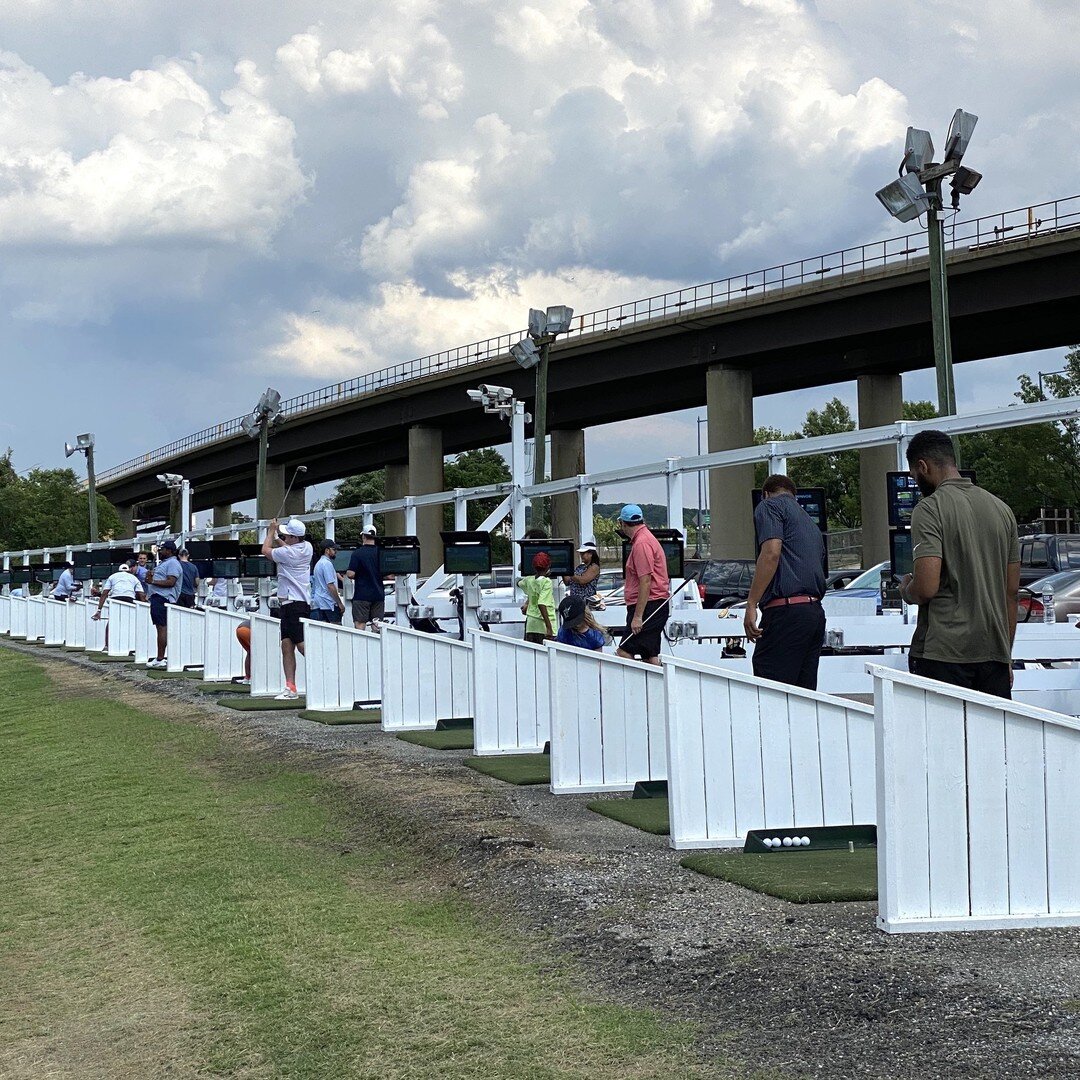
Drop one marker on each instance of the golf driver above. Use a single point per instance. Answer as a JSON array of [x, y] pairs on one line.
[[299, 469]]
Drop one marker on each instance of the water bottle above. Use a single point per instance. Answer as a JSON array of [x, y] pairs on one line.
[[1048, 604]]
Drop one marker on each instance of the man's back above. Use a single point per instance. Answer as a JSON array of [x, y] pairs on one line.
[[367, 583], [974, 535]]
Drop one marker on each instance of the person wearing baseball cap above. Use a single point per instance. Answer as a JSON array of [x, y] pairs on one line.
[[539, 606], [122, 587], [579, 628], [582, 582], [646, 589], [369, 596], [164, 584], [291, 553], [326, 602]]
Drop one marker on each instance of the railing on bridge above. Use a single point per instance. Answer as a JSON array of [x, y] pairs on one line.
[[993, 230]]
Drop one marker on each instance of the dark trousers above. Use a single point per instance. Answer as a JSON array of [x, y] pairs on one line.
[[990, 677], [790, 645], [330, 615], [187, 599]]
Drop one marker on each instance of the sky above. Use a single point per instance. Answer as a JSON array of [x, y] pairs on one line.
[[200, 200]]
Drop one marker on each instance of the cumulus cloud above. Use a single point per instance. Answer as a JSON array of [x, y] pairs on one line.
[[142, 159]]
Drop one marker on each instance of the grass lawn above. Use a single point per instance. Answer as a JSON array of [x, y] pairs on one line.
[[173, 905]]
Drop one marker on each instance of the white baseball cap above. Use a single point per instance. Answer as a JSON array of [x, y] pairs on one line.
[[124, 567], [369, 531], [293, 527]]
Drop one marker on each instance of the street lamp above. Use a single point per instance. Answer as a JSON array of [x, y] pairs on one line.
[[177, 485], [84, 444], [919, 189], [533, 351], [265, 415]]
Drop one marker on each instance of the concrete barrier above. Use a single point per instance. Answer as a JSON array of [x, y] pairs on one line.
[[607, 721], [223, 657], [745, 753], [344, 666], [425, 678], [511, 699], [978, 802], [187, 638], [267, 674]]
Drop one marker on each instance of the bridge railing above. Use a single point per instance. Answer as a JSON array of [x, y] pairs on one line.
[[977, 233]]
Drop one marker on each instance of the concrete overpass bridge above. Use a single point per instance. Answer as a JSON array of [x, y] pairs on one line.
[[861, 313]]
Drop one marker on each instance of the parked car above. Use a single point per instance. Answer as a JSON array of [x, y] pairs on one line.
[[1046, 554], [1066, 589], [725, 579], [870, 579], [841, 579]]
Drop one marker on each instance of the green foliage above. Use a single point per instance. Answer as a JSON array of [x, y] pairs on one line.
[[478, 468], [48, 508]]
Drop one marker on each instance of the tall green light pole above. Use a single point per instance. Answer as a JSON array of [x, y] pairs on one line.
[[84, 444]]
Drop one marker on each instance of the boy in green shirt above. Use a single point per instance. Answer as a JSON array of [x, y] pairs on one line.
[[539, 606]]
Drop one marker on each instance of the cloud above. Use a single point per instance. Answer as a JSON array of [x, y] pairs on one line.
[[149, 158]]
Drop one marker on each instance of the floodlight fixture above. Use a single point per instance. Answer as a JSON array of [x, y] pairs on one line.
[[525, 353], [965, 180], [960, 130], [904, 198], [537, 323], [269, 405], [559, 319], [173, 481], [918, 150], [250, 427], [69, 449], [84, 442]]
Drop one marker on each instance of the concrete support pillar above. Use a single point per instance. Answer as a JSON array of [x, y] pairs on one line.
[[277, 480], [426, 476], [729, 397], [881, 401], [222, 515], [567, 459], [127, 522], [397, 487]]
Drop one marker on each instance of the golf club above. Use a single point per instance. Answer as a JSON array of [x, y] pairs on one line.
[[299, 469]]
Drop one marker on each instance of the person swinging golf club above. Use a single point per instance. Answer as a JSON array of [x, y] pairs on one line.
[[646, 589], [286, 547]]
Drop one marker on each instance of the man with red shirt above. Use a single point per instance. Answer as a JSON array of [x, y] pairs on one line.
[[646, 590]]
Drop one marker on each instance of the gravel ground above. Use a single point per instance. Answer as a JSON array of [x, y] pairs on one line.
[[776, 989]]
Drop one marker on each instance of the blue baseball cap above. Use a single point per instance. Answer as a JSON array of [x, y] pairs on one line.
[[631, 514]]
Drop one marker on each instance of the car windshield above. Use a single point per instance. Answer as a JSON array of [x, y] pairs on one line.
[[1069, 553], [1061, 582], [722, 571], [870, 579]]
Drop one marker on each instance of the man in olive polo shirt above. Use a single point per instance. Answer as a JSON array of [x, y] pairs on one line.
[[967, 574]]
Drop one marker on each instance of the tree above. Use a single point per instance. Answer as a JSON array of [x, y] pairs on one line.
[[478, 468]]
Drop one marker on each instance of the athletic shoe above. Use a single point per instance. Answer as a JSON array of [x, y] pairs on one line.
[[241, 682], [287, 695], [157, 665]]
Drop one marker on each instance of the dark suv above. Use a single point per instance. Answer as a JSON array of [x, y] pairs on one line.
[[722, 579], [1048, 553]]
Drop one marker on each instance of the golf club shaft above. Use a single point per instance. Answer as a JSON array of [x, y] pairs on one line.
[[288, 490]]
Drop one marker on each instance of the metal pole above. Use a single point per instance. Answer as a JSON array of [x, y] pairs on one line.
[[540, 429], [260, 475], [700, 478], [939, 304], [185, 510], [92, 488], [517, 475]]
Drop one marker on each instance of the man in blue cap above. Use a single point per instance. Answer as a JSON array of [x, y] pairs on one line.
[[646, 590]]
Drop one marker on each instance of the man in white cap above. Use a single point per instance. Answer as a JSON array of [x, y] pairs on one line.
[[122, 586], [286, 547], [368, 602]]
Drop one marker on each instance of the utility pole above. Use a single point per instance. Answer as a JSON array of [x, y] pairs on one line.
[[92, 486]]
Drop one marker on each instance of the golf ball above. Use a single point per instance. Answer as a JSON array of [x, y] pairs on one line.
[[767, 841], [806, 841], [776, 841], [787, 841]]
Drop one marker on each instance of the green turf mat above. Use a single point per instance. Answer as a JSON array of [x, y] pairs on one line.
[[803, 877], [351, 716], [650, 815], [157, 673], [262, 704], [105, 658], [514, 768], [220, 688], [450, 739]]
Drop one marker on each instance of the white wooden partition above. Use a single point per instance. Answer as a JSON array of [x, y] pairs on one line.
[[75, 624], [35, 618], [55, 621], [123, 626], [746, 753], [511, 700], [5, 613], [93, 632], [223, 657], [187, 638], [344, 666], [425, 678], [18, 617], [267, 674], [607, 721], [978, 804]]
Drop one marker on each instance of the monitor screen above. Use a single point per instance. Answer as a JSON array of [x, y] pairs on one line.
[[467, 558], [674, 550], [812, 500], [341, 559], [254, 564], [86, 558], [5, 577], [207, 550], [47, 573], [227, 569], [20, 575], [82, 573], [904, 494], [399, 560], [561, 553], [900, 553]]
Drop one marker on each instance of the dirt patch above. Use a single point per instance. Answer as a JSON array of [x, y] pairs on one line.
[[786, 989]]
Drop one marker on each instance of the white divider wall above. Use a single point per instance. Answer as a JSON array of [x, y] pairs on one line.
[[187, 637], [978, 804], [93, 632], [18, 617], [425, 678], [123, 623], [511, 699], [344, 666], [5, 614], [746, 753], [35, 618], [75, 624], [145, 633], [55, 621], [267, 674], [223, 657], [607, 721]]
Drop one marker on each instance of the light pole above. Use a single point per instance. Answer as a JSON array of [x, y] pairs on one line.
[[177, 485], [84, 444], [533, 351], [256, 425], [919, 189], [700, 490]]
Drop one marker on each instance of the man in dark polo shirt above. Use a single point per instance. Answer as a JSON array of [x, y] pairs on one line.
[[967, 574], [789, 582]]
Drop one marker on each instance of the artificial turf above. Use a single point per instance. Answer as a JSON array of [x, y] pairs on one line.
[[649, 815], [350, 716], [157, 673], [261, 704], [221, 688], [803, 877], [514, 768], [105, 658], [448, 739]]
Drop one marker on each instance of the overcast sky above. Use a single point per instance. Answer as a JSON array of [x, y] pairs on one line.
[[202, 199]]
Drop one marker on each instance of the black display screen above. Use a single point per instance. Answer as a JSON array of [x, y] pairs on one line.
[[5, 577], [812, 500], [900, 553], [399, 560], [341, 559], [21, 575], [904, 495], [561, 553], [467, 558], [672, 544], [254, 564], [85, 558]]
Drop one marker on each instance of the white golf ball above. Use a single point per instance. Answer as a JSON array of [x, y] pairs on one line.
[[776, 841], [787, 841], [767, 841], [806, 841]]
